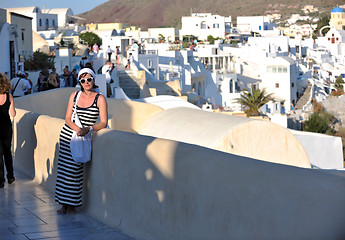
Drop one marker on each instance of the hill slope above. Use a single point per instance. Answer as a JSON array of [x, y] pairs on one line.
[[167, 13]]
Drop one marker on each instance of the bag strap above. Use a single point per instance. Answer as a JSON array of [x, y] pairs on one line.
[[16, 86], [74, 115]]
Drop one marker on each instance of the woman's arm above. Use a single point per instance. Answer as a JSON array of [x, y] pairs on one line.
[[12, 108], [53, 82], [103, 114], [69, 112]]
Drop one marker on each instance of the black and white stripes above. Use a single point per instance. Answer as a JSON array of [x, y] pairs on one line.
[[69, 180]]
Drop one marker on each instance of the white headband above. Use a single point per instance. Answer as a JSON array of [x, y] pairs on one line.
[[86, 70]]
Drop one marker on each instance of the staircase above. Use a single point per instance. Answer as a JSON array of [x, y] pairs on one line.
[[303, 99], [130, 84]]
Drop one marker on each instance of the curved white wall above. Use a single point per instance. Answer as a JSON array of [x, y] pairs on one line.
[[241, 136]]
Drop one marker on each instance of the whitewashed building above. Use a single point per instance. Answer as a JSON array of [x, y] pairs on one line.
[[258, 24], [305, 30], [65, 16], [15, 42], [202, 25], [40, 21], [335, 42], [22, 25], [169, 34], [278, 74]]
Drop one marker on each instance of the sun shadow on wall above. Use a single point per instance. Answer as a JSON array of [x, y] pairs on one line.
[[25, 141]]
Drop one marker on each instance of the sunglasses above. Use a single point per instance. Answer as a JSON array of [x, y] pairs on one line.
[[82, 81]]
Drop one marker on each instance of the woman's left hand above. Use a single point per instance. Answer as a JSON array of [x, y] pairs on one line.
[[83, 131]]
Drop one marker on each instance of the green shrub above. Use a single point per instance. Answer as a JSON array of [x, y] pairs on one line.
[[319, 123], [91, 38], [39, 61]]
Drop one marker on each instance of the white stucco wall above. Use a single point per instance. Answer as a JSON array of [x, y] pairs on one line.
[[324, 151], [5, 32], [163, 189], [213, 25], [24, 31], [170, 34]]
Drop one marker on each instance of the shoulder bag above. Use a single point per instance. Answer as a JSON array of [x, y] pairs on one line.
[[14, 89], [80, 145]]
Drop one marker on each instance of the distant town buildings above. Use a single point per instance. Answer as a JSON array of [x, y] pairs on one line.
[[299, 31], [201, 25], [40, 21], [258, 24], [309, 9], [337, 18], [252, 53]]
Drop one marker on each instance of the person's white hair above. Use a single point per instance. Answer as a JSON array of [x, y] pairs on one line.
[[87, 70]]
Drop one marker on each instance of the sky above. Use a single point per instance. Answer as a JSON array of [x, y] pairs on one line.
[[77, 6]]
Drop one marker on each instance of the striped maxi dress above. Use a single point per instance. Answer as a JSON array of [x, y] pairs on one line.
[[69, 179]]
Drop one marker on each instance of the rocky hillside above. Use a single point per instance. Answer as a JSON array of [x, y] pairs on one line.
[[167, 13]]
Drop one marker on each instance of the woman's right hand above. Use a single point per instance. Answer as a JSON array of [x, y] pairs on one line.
[[83, 131]]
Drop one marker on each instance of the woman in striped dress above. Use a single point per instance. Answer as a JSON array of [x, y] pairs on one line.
[[69, 181]]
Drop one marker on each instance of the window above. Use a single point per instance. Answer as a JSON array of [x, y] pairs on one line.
[[40, 22], [277, 69], [53, 23], [277, 85], [292, 84], [231, 88], [22, 36], [259, 27], [47, 22], [149, 63], [203, 25], [216, 25]]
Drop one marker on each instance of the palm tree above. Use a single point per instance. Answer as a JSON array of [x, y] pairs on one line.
[[253, 99]]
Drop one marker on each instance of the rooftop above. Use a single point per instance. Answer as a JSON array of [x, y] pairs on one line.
[[337, 9]]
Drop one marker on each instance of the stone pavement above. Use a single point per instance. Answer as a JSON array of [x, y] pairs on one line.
[[28, 211]]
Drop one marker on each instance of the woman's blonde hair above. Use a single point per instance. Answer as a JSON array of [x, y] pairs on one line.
[[5, 84], [52, 76]]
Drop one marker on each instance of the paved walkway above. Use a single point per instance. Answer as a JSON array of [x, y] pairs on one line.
[[27, 211]]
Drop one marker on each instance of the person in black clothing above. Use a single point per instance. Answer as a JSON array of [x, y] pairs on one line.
[[42, 82], [6, 107], [52, 81], [75, 77]]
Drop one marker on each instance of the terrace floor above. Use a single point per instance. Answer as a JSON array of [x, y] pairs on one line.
[[28, 211]]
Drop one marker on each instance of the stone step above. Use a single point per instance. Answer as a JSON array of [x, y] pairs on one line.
[[303, 99], [132, 93], [130, 84]]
